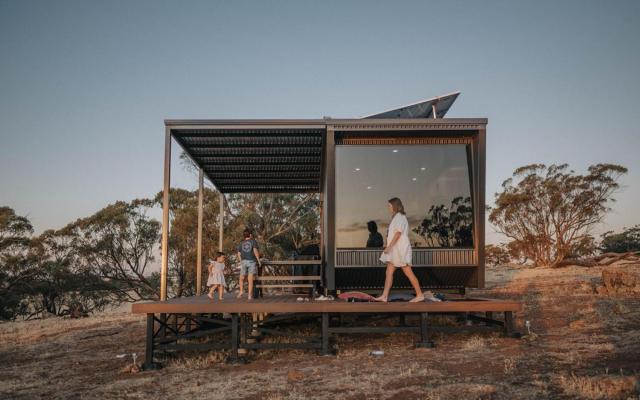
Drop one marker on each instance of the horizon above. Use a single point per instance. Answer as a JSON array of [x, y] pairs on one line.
[[87, 86]]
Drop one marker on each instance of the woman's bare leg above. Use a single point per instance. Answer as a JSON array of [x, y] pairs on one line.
[[414, 282], [388, 282]]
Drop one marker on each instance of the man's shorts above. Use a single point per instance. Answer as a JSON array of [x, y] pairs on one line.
[[248, 267]]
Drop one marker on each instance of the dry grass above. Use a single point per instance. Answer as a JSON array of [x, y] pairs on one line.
[[476, 343], [509, 366], [579, 338], [599, 387]]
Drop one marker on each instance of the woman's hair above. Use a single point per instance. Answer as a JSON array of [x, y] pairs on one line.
[[246, 233], [397, 206], [372, 226]]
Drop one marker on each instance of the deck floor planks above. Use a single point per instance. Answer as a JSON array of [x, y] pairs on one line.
[[288, 303]]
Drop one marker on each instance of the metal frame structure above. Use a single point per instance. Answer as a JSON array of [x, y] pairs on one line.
[[296, 155], [299, 155], [172, 325]]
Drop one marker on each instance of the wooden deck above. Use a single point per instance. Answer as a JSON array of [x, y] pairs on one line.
[[289, 304]]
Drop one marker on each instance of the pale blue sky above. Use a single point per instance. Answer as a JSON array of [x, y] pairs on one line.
[[85, 85]]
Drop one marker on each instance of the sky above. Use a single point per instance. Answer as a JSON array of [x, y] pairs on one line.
[[85, 85]]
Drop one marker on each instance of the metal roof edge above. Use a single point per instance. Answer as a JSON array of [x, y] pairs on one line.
[[320, 122]]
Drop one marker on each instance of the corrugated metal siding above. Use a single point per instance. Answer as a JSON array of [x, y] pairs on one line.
[[360, 139], [421, 257]]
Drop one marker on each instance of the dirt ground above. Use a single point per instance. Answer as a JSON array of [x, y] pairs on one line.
[[585, 343]]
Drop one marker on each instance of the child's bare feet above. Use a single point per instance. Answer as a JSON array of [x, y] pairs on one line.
[[210, 296]]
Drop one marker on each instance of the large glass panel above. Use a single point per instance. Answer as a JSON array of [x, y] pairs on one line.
[[431, 180]]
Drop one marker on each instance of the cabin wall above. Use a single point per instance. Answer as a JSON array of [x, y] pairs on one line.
[[359, 269]]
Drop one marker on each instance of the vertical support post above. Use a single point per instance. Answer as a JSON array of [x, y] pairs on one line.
[[164, 266], [148, 352], [199, 249], [235, 339], [329, 209], [424, 332], [508, 324], [221, 222], [433, 111], [325, 334], [321, 244], [481, 176]]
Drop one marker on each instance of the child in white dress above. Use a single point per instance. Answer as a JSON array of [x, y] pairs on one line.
[[216, 276], [397, 254]]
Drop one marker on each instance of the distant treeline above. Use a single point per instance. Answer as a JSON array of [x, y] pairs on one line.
[[108, 257], [547, 213]]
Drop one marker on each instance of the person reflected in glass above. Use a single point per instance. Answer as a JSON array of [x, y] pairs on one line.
[[398, 254], [375, 238]]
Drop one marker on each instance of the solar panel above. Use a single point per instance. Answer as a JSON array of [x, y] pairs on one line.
[[421, 109]]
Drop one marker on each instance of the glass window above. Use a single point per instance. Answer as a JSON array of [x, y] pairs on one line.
[[432, 181]]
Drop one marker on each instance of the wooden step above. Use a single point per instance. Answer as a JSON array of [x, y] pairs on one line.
[[288, 278], [298, 285]]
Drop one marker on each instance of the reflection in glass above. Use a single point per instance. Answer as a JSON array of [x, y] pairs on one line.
[[375, 238], [431, 180]]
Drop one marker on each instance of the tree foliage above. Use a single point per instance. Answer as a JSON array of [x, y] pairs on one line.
[[40, 275], [626, 241], [549, 212], [497, 254], [183, 236], [281, 223], [16, 271], [448, 226], [118, 243]]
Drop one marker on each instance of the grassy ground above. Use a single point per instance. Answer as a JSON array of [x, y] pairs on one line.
[[584, 345]]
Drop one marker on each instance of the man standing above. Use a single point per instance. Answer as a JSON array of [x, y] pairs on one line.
[[249, 258]]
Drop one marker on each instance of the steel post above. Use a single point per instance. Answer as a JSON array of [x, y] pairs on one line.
[[164, 266], [424, 332], [199, 249]]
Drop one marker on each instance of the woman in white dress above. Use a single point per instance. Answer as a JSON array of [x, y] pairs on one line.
[[397, 254]]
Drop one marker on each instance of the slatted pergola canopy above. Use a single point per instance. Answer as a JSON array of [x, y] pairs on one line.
[[258, 157], [274, 156]]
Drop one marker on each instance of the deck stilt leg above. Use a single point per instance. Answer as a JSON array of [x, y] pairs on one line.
[[163, 325], [325, 334], [509, 325], [235, 340], [148, 351], [403, 319], [424, 332]]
